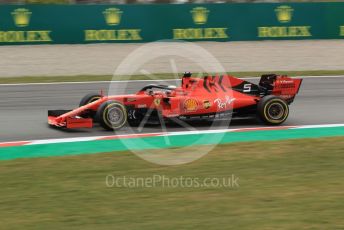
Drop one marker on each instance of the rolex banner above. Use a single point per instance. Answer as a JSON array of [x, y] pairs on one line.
[[68, 24]]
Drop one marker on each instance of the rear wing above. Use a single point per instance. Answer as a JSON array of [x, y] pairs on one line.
[[280, 85]]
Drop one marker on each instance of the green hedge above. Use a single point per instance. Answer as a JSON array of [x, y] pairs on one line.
[[47, 1]]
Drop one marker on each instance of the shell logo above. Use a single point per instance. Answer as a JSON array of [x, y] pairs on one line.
[[190, 105]]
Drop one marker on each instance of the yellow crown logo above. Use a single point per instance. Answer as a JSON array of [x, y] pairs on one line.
[[284, 13], [112, 16], [199, 15], [21, 17]]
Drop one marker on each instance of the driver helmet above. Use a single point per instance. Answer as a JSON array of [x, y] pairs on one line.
[[187, 74]]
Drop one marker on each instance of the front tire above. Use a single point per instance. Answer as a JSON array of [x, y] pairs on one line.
[[89, 98], [272, 110], [112, 115]]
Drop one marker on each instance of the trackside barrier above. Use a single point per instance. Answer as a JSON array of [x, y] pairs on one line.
[[80, 24]]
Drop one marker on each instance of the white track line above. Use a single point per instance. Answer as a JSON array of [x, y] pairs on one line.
[[62, 140], [95, 138], [126, 81], [319, 126]]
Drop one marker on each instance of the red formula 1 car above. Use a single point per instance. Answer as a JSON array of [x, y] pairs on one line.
[[203, 98]]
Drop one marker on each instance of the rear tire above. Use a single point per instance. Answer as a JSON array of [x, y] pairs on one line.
[[112, 115], [272, 110]]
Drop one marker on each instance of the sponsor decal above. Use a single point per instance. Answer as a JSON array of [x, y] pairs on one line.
[[206, 104], [131, 99], [157, 101], [113, 35], [222, 104], [284, 31], [131, 114], [200, 33], [200, 17], [113, 17], [284, 15], [21, 19], [286, 86], [341, 33], [169, 115], [287, 82], [140, 106], [190, 105]]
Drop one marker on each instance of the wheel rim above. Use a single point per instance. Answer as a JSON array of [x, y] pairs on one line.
[[115, 116], [276, 111]]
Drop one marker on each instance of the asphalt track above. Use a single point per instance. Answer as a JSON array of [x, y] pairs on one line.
[[23, 108]]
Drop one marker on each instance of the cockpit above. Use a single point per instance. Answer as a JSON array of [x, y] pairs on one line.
[[188, 84]]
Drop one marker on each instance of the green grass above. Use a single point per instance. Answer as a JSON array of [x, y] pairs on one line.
[[296, 184], [85, 78]]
